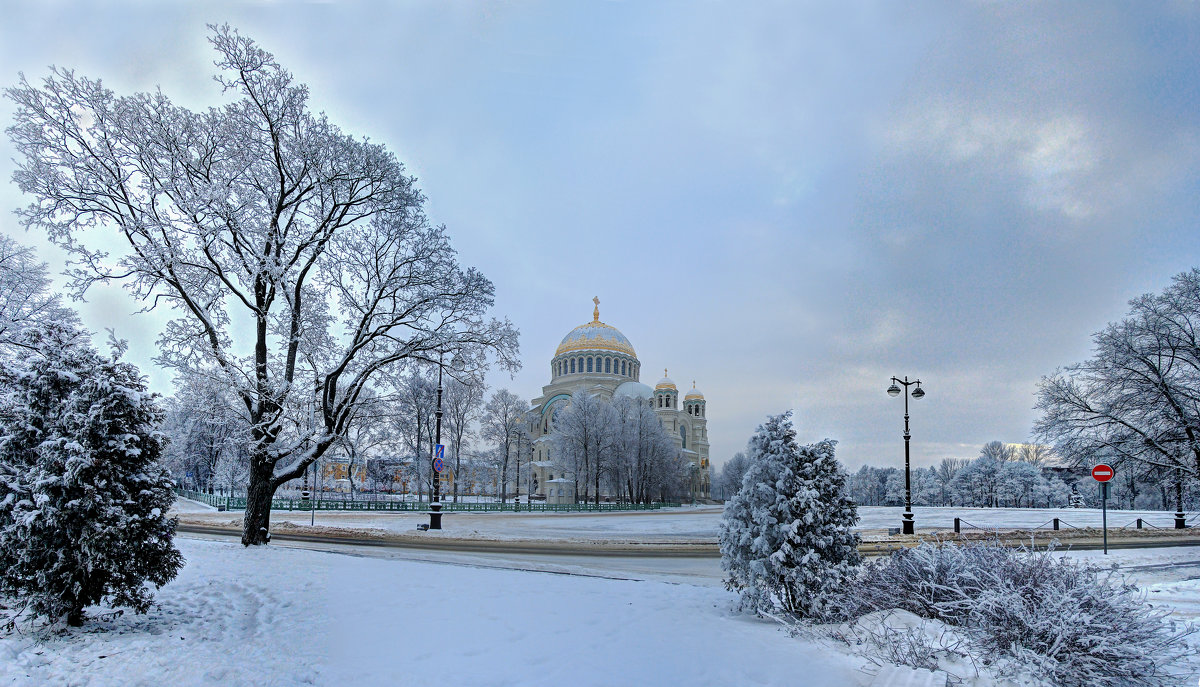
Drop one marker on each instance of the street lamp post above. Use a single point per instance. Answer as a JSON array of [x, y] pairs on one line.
[[435, 505], [517, 498], [1180, 518], [907, 526]]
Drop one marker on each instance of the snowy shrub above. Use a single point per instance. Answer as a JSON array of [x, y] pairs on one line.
[[1065, 621], [786, 539], [83, 501]]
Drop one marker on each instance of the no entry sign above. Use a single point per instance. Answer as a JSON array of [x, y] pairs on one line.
[[1102, 473]]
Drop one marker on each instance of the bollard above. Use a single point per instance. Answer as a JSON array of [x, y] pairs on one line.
[[1180, 521], [1139, 523], [957, 526], [1055, 523]]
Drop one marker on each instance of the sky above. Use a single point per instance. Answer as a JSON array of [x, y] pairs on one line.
[[786, 202]]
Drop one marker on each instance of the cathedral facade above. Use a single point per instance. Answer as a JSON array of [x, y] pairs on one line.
[[596, 358]]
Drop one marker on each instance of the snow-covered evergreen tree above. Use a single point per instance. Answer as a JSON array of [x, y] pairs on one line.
[[83, 500], [786, 539]]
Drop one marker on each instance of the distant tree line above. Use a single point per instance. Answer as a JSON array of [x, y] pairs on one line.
[[1001, 476]]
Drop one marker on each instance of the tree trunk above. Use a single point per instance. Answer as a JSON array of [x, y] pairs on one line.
[[75, 617], [257, 525]]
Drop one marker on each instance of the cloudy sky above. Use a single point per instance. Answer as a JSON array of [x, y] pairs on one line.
[[786, 202]]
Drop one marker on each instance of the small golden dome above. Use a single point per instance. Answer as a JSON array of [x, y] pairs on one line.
[[665, 383], [694, 394]]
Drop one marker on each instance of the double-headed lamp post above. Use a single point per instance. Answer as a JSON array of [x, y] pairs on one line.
[[894, 390], [435, 505]]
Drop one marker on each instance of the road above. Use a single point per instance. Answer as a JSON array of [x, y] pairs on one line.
[[678, 569], [1144, 560]]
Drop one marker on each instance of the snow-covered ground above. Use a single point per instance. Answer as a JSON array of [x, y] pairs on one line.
[[284, 616], [686, 523]]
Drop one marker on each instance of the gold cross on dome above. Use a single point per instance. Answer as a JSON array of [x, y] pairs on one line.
[[596, 311]]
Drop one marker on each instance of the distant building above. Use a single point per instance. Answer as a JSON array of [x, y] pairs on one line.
[[597, 359]]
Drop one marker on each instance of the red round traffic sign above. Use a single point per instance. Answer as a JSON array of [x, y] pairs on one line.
[[1102, 473]]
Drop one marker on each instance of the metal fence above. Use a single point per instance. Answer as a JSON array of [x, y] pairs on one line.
[[239, 503]]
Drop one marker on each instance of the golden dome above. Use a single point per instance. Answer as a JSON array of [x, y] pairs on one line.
[[665, 383], [595, 336], [694, 394]]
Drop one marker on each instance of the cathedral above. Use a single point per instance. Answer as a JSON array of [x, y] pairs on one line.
[[596, 358]]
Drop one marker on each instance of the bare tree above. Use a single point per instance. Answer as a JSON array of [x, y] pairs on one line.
[[1038, 455], [503, 417], [462, 403], [585, 438], [257, 216], [1138, 398], [732, 472], [944, 475], [206, 432], [412, 420], [998, 451], [366, 431], [25, 295], [642, 457]]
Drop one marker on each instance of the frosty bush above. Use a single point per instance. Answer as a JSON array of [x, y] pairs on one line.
[[1066, 621], [785, 538], [82, 498]]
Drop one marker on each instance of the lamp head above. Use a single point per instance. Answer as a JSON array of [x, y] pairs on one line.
[[893, 390], [918, 393]]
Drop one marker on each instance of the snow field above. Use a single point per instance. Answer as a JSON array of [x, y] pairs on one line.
[[277, 616]]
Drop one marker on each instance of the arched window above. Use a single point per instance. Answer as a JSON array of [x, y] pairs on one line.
[[589, 368], [622, 367], [683, 436], [608, 364], [572, 366]]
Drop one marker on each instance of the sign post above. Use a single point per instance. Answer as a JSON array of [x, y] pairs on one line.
[[1102, 474], [439, 454]]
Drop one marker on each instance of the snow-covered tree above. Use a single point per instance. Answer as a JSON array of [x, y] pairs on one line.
[[786, 537], [462, 403], [205, 428], [944, 477], [414, 404], [977, 484], [584, 441], [868, 485], [299, 257], [26, 298], [83, 500], [643, 460], [503, 418], [1021, 484], [923, 487], [730, 478], [1137, 398]]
